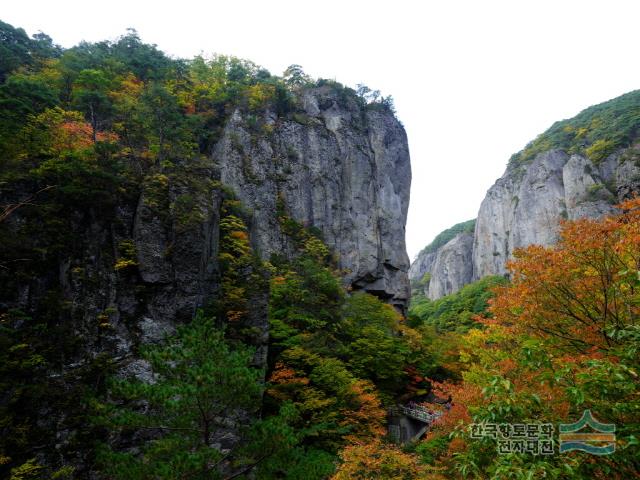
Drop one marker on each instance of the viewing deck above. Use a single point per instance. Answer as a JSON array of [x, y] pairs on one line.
[[408, 424]]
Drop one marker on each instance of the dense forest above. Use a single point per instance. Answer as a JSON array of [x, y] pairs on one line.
[[85, 131]]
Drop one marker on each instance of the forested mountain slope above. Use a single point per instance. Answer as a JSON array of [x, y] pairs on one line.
[[149, 200]]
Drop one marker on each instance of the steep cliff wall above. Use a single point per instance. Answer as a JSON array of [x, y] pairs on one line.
[[421, 265], [446, 261], [106, 270], [580, 167], [338, 168], [452, 268], [526, 205]]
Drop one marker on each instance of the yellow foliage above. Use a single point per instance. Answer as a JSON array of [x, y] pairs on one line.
[[259, 95], [123, 263], [600, 149], [316, 248], [377, 460]]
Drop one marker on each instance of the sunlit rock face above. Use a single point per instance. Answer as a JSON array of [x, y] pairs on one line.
[[452, 268], [421, 265]]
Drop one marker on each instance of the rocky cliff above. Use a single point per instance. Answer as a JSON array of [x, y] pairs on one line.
[[338, 168], [593, 166], [421, 265], [526, 205], [121, 266], [452, 268], [444, 266]]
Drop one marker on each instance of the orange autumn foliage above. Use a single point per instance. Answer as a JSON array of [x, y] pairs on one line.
[[77, 135], [551, 348], [462, 395], [239, 235], [377, 460], [577, 291], [283, 375], [365, 415], [57, 132], [358, 411]]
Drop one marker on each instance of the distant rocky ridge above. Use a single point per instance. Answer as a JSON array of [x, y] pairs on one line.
[[444, 266], [525, 206]]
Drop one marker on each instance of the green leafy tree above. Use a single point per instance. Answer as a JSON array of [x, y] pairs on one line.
[[374, 347], [15, 48], [199, 381], [18, 50], [90, 94], [24, 94], [144, 60], [294, 76], [164, 118], [455, 312]]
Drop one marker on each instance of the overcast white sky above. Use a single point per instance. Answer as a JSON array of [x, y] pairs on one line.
[[473, 80]]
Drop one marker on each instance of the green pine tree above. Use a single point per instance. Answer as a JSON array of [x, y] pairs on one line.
[[200, 383]]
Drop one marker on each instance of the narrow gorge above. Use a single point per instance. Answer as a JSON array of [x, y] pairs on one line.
[[204, 276]]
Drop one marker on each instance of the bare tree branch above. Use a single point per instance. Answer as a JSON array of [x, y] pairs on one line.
[[8, 209]]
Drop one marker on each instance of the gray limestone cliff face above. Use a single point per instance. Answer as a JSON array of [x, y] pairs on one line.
[[443, 266], [526, 205], [172, 270], [421, 265], [338, 168], [522, 207], [452, 268]]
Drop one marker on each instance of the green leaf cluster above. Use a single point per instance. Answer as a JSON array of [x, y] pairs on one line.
[[454, 312], [595, 132]]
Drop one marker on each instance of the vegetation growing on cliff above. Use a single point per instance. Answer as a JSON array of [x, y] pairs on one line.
[[455, 312], [420, 285], [595, 132], [337, 358], [87, 136], [445, 236]]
